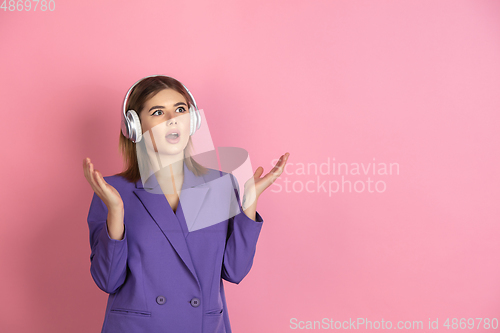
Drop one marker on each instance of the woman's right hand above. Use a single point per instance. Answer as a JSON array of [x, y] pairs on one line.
[[108, 194]]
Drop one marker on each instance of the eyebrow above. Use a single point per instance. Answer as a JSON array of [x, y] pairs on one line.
[[162, 107]]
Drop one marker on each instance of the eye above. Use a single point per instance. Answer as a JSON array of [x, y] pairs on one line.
[[182, 110]]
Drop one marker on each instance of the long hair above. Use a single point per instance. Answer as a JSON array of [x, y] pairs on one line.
[[140, 94]]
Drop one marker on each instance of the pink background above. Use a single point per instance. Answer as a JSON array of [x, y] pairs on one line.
[[408, 82]]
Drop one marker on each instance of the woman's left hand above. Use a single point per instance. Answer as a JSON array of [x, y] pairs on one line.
[[256, 185]]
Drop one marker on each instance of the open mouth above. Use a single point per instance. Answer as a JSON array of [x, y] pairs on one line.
[[173, 137]]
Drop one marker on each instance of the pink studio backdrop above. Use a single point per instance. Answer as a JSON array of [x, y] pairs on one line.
[[366, 83]]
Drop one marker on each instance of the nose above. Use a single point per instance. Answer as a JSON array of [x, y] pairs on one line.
[[171, 118]]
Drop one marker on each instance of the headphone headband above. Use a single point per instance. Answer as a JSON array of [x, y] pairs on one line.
[[128, 92], [130, 124]]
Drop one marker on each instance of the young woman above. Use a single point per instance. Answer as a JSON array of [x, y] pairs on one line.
[[162, 276]]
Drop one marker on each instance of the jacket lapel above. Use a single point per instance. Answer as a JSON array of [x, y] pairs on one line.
[[155, 202]]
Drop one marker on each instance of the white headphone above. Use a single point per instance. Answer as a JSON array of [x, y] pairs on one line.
[[131, 125]]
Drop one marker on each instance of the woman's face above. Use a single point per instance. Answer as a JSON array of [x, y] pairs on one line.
[[165, 122]]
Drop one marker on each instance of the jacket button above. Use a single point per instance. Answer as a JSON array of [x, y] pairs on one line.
[[195, 302], [161, 300]]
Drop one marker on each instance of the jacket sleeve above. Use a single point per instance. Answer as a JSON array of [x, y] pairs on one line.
[[241, 242], [108, 258]]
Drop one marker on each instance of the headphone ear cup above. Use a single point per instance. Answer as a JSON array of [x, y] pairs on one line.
[[198, 117], [134, 126], [192, 119], [195, 119]]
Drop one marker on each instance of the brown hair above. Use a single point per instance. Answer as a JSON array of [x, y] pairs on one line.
[[140, 94]]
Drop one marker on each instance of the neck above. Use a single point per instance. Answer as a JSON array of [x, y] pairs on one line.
[[171, 177]]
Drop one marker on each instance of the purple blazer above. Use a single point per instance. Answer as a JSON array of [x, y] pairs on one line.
[[160, 277]]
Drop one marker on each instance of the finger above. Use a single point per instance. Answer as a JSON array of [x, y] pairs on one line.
[[86, 165], [275, 172], [92, 176], [280, 162], [100, 180], [86, 169], [271, 176], [95, 180], [258, 172], [286, 157], [89, 169], [280, 165], [276, 166], [101, 189], [283, 159]]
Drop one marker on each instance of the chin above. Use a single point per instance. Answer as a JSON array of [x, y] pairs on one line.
[[171, 149]]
